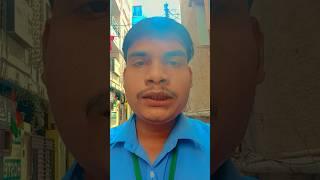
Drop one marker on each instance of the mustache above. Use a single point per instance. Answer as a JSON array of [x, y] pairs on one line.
[[98, 104], [162, 90]]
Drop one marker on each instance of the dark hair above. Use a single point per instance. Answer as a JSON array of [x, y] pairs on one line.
[[159, 27]]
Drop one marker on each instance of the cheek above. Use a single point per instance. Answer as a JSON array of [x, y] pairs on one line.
[[131, 86], [133, 81], [181, 81]]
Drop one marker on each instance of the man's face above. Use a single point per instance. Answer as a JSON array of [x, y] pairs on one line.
[[76, 72], [157, 79]]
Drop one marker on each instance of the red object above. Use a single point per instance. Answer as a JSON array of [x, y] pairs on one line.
[[111, 39], [19, 119]]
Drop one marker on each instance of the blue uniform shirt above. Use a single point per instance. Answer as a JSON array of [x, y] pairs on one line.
[[191, 138], [225, 172]]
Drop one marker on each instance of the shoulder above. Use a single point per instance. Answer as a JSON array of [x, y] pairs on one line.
[[199, 125], [115, 132], [199, 131]]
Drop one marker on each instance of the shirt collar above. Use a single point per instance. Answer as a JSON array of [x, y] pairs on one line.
[[125, 132], [185, 129]]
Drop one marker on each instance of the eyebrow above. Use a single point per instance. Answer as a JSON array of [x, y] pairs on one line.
[[137, 54], [175, 53]]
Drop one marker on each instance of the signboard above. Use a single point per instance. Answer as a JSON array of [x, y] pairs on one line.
[[11, 169], [8, 118], [116, 66], [113, 119], [6, 111]]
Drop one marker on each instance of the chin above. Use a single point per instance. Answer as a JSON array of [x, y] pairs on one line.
[[158, 117]]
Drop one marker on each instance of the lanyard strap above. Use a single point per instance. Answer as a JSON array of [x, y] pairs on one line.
[[173, 164], [172, 171], [136, 167]]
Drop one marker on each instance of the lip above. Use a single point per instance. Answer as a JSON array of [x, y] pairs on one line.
[[157, 103], [157, 98]]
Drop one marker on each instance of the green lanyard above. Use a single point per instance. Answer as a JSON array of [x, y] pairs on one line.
[[172, 171]]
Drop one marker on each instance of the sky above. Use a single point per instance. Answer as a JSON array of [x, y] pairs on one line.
[[155, 7]]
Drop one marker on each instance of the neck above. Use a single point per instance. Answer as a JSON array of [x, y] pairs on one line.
[[146, 130], [153, 136]]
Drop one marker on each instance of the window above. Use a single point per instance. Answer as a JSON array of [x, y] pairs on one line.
[[115, 66], [137, 10], [112, 64], [115, 25], [16, 50]]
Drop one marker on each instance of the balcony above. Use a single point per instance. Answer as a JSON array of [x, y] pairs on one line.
[[115, 8], [115, 81], [115, 26], [116, 43], [127, 12]]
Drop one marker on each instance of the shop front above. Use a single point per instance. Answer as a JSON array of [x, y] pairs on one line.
[[117, 107], [22, 119]]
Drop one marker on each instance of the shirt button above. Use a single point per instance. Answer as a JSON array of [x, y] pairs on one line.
[[152, 174]]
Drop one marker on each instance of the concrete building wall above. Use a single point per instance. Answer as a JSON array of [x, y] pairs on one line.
[[20, 63], [121, 15], [194, 19], [285, 122]]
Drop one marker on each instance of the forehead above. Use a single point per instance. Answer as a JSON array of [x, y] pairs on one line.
[[156, 44]]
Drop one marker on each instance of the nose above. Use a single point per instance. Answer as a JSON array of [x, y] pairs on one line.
[[156, 74]]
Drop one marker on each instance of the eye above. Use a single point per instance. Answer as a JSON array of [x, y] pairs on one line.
[[93, 8], [174, 61], [139, 63]]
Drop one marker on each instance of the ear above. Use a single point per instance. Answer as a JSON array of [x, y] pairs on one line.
[[190, 74], [124, 77], [260, 47]]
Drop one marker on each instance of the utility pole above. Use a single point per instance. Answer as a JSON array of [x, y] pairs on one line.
[[171, 13], [166, 10]]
